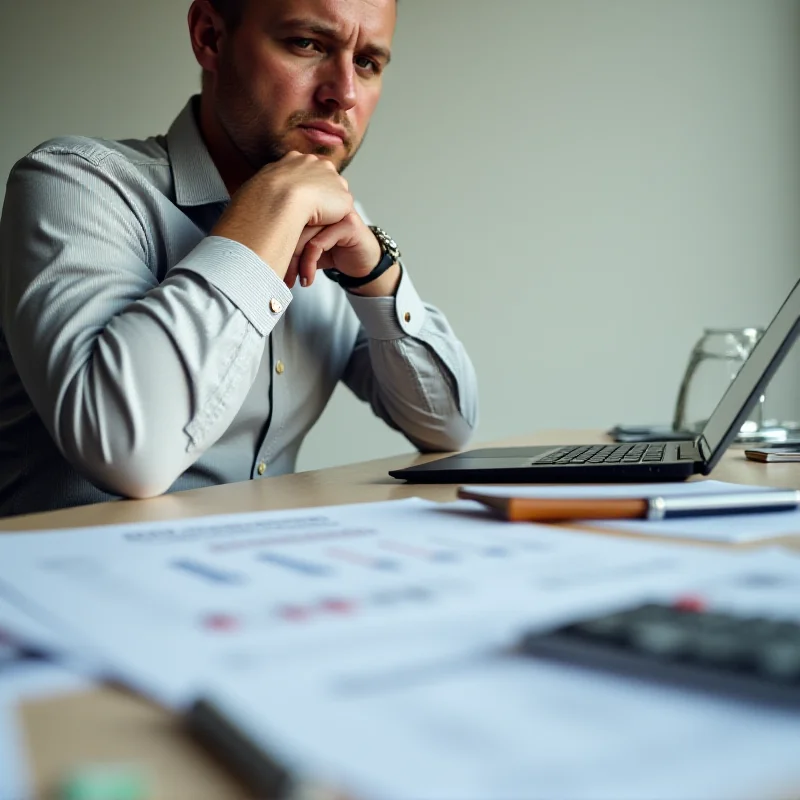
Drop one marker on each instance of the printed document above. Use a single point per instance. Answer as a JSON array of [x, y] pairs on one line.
[[495, 723], [165, 606], [506, 727]]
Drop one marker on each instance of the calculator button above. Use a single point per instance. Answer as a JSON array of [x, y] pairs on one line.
[[661, 639], [724, 648], [780, 660], [610, 627]]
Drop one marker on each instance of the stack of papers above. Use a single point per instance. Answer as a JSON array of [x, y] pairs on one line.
[[167, 606], [498, 726], [386, 627]]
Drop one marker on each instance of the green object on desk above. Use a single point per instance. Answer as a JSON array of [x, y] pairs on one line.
[[104, 783]]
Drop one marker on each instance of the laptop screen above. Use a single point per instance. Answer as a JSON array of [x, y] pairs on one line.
[[752, 378]]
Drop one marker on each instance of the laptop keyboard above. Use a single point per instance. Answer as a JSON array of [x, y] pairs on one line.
[[606, 454]]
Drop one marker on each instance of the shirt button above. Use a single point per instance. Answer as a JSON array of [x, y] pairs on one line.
[[275, 306], [407, 316], [280, 368], [262, 468]]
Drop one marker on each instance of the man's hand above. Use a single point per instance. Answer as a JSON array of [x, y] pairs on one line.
[[270, 213], [348, 246]]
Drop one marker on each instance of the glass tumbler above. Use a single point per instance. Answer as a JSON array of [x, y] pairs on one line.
[[713, 364]]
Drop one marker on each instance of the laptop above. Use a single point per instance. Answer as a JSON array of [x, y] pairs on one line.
[[641, 462]]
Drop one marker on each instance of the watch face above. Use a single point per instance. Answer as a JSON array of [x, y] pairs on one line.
[[389, 244]]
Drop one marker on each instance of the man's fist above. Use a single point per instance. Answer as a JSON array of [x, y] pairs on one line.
[[272, 210]]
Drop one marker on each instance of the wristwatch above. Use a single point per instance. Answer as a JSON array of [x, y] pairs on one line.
[[390, 255]]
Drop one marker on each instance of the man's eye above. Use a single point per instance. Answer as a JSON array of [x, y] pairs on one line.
[[304, 44], [368, 64]]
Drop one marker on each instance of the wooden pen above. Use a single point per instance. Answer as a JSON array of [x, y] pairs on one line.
[[556, 509]]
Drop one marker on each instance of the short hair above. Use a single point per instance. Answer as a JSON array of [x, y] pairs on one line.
[[230, 10]]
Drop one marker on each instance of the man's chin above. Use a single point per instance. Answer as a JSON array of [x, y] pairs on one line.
[[326, 152], [332, 154]]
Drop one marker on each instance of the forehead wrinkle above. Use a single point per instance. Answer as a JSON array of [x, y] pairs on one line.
[[319, 27], [365, 16]]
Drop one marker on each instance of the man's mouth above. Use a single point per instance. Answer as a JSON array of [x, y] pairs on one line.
[[325, 133]]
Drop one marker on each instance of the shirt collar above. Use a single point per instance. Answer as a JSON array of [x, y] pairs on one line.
[[197, 180]]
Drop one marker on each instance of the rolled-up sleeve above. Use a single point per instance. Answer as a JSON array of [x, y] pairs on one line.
[[133, 377], [413, 370]]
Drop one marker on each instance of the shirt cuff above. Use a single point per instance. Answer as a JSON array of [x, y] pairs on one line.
[[245, 279], [391, 317]]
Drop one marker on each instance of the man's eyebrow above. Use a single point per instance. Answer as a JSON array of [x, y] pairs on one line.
[[329, 32], [378, 52]]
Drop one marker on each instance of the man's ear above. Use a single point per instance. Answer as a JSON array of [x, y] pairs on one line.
[[207, 32]]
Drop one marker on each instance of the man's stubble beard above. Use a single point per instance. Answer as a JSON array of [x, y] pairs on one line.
[[351, 149], [263, 148]]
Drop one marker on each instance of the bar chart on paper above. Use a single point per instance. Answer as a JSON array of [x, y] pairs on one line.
[[243, 588], [296, 567]]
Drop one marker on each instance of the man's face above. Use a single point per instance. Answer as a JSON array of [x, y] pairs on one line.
[[303, 75]]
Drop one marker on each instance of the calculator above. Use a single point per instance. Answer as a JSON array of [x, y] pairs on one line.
[[750, 657]]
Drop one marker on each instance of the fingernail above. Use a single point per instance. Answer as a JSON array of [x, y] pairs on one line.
[[304, 281]]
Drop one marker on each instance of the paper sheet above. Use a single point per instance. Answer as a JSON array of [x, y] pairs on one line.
[[512, 728], [166, 605], [397, 723], [22, 628], [719, 528], [735, 528], [767, 584], [383, 628], [17, 624]]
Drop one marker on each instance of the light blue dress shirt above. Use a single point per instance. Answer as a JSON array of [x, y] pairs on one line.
[[139, 354]]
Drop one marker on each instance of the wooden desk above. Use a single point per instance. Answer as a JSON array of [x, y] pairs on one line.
[[110, 726]]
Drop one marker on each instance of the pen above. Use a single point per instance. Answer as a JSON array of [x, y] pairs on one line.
[[553, 509], [700, 504]]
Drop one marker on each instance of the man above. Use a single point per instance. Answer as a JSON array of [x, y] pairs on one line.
[[163, 325]]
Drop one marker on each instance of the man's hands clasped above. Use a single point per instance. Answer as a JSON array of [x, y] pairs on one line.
[[298, 215]]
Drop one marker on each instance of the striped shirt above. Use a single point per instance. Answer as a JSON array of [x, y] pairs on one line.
[[139, 354]]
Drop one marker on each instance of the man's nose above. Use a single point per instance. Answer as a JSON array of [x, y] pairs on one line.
[[337, 89]]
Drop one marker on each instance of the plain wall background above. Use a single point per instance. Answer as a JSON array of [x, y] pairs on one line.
[[582, 186]]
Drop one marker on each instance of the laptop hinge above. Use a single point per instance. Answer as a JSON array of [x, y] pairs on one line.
[[702, 447]]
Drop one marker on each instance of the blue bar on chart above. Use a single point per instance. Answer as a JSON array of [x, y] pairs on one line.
[[296, 564], [211, 574], [488, 550], [402, 596]]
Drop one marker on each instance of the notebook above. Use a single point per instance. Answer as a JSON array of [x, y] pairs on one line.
[[643, 461]]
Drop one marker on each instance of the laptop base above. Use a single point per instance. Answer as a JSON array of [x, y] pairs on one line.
[[517, 465]]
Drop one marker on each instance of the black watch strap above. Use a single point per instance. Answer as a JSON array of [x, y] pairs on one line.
[[390, 256]]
